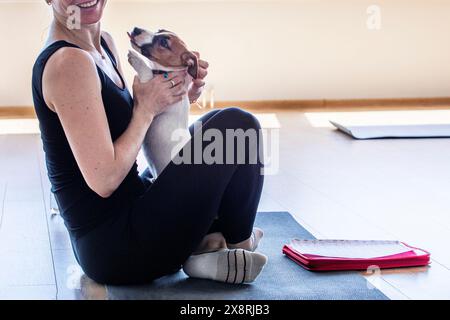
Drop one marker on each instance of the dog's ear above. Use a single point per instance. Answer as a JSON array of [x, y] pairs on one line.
[[191, 61]]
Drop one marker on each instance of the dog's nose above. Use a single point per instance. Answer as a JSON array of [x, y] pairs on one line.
[[137, 31]]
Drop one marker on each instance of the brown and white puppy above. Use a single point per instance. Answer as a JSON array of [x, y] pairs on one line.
[[165, 52]]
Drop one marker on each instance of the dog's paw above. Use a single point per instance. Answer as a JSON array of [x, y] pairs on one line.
[[136, 61], [140, 66]]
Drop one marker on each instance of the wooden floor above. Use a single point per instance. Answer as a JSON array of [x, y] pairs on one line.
[[334, 186]]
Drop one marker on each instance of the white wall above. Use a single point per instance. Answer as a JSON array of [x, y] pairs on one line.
[[305, 49]]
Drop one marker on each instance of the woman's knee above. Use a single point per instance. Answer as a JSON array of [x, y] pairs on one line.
[[240, 119]]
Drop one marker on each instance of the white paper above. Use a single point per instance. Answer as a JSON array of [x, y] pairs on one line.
[[349, 248]]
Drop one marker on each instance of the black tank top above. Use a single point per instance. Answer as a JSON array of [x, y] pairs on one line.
[[81, 208]]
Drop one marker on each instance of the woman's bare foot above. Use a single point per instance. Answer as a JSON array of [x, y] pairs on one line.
[[235, 266], [250, 244], [210, 243]]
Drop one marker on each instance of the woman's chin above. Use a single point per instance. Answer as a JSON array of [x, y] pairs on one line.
[[94, 14], [91, 19], [91, 16]]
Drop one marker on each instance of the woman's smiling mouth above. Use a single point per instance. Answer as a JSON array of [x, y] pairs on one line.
[[89, 4]]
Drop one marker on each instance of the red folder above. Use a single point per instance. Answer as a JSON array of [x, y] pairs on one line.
[[410, 257]]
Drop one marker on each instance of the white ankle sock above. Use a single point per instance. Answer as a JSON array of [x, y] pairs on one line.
[[231, 266]]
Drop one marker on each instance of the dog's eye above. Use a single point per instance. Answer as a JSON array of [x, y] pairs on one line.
[[164, 43]]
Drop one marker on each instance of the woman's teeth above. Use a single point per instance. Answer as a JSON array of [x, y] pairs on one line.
[[88, 4]]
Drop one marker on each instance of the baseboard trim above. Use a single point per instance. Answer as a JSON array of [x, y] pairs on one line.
[[291, 105], [335, 104], [17, 113]]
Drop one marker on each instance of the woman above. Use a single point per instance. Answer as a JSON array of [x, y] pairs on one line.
[[125, 229]]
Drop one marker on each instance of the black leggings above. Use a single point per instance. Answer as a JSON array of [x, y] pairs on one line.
[[187, 201]]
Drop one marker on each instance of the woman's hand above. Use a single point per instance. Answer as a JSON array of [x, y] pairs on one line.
[[198, 84], [153, 97]]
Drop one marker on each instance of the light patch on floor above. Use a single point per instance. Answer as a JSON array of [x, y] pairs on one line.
[[19, 126], [374, 118]]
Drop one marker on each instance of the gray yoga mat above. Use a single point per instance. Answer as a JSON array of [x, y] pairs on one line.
[[281, 279]]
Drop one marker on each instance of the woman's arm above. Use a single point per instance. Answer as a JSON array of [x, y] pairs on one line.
[[72, 88]]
